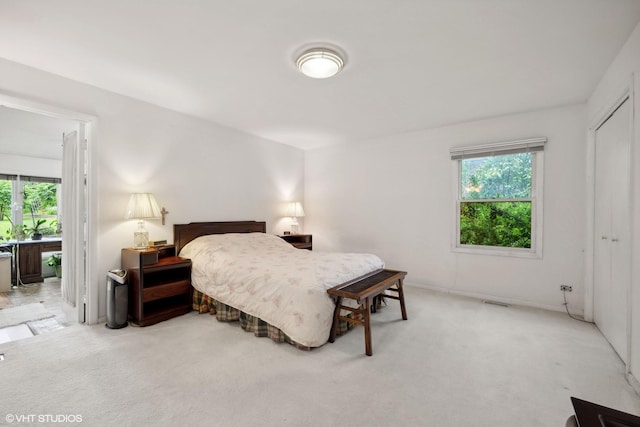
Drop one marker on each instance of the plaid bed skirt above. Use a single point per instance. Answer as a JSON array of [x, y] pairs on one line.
[[225, 313]]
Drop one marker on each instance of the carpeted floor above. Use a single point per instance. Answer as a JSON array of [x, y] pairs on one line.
[[455, 362]]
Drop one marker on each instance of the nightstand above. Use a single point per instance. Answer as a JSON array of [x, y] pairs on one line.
[[159, 284], [300, 241]]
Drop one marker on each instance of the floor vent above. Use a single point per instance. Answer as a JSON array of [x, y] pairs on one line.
[[501, 304]]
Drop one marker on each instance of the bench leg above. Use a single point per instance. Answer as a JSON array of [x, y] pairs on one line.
[[401, 299], [367, 327], [336, 320]]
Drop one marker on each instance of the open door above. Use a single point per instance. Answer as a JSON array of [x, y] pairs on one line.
[[74, 221]]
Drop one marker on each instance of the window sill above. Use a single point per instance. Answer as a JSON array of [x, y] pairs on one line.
[[505, 252]]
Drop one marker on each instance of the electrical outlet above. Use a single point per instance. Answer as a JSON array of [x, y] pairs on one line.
[[566, 288]]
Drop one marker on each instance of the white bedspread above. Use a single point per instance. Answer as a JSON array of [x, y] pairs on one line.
[[266, 277]]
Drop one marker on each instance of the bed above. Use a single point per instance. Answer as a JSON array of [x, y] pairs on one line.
[[273, 289]]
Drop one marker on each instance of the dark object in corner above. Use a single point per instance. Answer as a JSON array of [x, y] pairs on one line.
[[592, 415]]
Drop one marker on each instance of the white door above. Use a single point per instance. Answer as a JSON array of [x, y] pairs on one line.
[[612, 249], [74, 221]]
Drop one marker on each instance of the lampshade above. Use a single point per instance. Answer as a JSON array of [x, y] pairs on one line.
[[295, 210], [142, 206], [320, 63]]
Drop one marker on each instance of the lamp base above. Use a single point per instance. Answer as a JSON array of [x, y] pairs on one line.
[[141, 237]]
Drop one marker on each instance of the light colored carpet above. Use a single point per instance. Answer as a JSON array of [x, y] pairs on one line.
[[455, 362], [22, 314]]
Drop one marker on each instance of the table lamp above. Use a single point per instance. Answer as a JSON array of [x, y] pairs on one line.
[[294, 211], [142, 206]]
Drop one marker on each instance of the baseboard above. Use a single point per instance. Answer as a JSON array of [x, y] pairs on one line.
[[481, 296]]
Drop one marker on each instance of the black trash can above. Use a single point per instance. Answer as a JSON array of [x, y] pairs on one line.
[[117, 299]]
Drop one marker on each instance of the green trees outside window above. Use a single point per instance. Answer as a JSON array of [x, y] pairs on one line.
[[39, 209], [495, 201]]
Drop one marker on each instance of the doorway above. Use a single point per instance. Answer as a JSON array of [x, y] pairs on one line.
[[37, 154]]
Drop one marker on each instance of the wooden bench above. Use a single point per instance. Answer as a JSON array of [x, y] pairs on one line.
[[365, 290]]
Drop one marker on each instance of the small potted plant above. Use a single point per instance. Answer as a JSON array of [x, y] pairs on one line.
[[55, 261], [17, 232], [36, 229]]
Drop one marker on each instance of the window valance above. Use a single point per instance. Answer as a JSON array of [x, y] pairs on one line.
[[499, 148]]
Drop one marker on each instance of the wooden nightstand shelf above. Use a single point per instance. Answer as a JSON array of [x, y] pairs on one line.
[[300, 241], [159, 284]]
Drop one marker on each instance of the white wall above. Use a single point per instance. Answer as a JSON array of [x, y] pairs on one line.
[[617, 77], [198, 171], [394, 197]]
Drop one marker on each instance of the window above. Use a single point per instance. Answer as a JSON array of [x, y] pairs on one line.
[[38, 197], [499, 198]]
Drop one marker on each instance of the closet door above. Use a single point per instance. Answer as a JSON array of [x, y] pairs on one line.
[[612, 260]]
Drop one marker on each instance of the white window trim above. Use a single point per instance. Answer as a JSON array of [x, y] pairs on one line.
[[534, 145]]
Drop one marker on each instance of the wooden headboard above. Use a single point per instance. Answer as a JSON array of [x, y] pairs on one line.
[[184, 233]]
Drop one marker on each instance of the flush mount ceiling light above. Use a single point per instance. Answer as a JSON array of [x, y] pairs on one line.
[[320, 63]]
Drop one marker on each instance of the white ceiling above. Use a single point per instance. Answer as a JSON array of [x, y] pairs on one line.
[[28, 134], [410, 64]]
